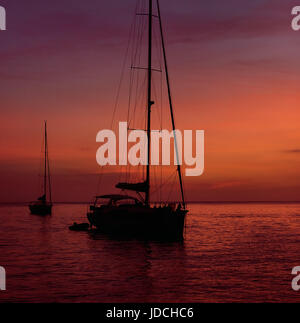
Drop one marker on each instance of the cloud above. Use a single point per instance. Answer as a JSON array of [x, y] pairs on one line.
[[292, 151], [226, 184], [269, 18]]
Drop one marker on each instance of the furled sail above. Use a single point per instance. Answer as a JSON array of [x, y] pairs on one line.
[[136, 187]]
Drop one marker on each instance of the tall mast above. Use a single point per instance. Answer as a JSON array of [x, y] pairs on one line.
[[150, 102], [171, 104], [45, 162], [48, 169]]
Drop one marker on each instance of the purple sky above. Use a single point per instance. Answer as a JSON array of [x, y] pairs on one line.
[[234, 64]]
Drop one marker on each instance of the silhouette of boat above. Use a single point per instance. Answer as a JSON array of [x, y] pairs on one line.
[[43, 206], [135, 217], [79, 227]]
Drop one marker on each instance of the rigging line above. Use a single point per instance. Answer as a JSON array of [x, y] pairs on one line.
[[156, 41], [149, 99], [137, 59], [156, 95], [139, 102], [157, 45], [122, 76], [133, 39], [161, 119], [132, 86], [129, 118], [172, 187], [138, 36], [133, 67], [156, 76], [154, 179], [169, 199], [138, 39], [129, 104], [161, 114], [171, 104], [145, 14], [135, 87], [142, 86], [133, 57], [167, 180], [128, 168], [131, 81], [135, 53], [135, 102], [40, 166], [49, 177], [129, 42]]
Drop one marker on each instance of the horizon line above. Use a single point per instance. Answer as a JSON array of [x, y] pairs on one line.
[[159, 202]]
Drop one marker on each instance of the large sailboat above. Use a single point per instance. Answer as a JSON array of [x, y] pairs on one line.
[[136, 216], [43, 205]]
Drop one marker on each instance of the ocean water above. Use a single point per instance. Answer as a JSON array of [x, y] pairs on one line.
[[232, 253]]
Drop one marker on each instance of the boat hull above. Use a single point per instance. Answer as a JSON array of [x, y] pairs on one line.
[[140, 222], [41, 209]]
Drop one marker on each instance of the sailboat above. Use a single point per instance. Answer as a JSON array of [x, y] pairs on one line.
[[124, 214], [43, 205]]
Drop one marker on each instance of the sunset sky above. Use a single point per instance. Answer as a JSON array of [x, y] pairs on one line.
[[235, 73]]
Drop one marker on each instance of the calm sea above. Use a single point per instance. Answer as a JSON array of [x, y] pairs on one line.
[[232, 252]]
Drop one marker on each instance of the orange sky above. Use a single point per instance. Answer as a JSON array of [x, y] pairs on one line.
[[235, 74]]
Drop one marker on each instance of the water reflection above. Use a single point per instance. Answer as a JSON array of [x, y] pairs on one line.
[[144, 267], [232, 252]]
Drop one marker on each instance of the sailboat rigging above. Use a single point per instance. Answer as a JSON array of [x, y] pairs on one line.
[[124, 214], [43, 205]]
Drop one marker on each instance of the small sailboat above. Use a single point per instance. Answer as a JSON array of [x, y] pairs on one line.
[[43, 205], [123, 214]]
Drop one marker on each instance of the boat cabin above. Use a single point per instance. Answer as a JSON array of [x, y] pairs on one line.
[[115, 201]]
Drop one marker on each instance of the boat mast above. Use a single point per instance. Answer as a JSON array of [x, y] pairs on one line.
[[171, 104], [150, 102], [47, 178], [45, 163]]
